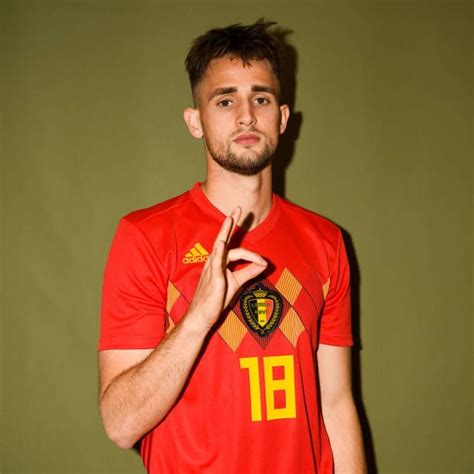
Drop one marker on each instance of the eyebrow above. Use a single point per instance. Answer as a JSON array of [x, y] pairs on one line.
[[232, 90], [222, 91], [268, 89]]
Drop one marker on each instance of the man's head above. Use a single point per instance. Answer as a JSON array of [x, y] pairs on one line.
[[234, 74], [244, 42]]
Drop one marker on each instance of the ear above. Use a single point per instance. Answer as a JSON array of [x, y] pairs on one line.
[[284, 115], [193, 122]]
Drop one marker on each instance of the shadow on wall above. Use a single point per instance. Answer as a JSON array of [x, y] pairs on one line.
[[356, 372], [286, 146], [281, 161]]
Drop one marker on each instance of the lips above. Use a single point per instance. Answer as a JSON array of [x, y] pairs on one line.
[[247, 139]]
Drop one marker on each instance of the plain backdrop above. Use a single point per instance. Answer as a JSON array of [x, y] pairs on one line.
[[92, 94]]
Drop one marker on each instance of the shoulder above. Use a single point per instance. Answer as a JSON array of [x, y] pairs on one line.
[[153, 231], [309, 220], [162, 214]]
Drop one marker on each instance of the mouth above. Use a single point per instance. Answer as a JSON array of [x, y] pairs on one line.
[[246, 139]]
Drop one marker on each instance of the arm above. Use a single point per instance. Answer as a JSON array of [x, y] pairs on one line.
[[339, 412], [138, 387]]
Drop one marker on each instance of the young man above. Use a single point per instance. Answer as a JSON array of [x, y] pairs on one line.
[[211, 330]]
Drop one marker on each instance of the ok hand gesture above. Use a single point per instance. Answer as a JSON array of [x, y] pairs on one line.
[[218, 285]]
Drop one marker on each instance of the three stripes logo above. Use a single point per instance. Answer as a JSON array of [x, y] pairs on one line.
[[196, 254]]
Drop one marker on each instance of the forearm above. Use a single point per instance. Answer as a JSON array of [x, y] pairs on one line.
[[139, 398], [345, 435]]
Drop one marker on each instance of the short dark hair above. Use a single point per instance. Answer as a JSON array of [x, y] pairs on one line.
[[244, 42]]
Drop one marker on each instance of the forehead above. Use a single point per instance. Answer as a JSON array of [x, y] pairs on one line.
[[232, 72]]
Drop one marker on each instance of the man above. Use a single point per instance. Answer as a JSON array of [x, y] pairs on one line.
[[209, 328]]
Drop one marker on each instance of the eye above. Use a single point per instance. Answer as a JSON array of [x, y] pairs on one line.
[[224, 103], [262, 100]]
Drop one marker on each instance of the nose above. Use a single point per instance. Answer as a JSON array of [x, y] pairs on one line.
[[246, 115]]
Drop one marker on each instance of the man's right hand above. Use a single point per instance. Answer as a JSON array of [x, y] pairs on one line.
[[139, 387], [218, 285]]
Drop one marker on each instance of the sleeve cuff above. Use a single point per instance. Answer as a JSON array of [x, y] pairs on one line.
[[346, 341], [117, 343]]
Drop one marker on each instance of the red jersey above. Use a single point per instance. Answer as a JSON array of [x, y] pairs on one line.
[[251, 405]]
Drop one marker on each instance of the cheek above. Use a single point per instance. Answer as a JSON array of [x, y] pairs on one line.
[[271, 119], [217, 131], [223, 128]]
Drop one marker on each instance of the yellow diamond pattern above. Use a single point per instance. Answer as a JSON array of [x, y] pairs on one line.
[[171, 325], [288, 286], [232, 331], [173, 295], [326, 288], [292, 326]]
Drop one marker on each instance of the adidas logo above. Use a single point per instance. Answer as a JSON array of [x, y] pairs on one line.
[[196, 254]]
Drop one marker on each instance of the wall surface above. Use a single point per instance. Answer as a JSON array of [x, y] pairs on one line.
[[92, 95]]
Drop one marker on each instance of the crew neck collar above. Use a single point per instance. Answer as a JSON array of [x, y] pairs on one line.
[[253, 235]]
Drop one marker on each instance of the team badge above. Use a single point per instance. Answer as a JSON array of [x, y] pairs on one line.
[[261, 308]]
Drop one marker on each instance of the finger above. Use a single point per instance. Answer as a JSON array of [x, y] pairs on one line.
[[228, 225], [244, 254], [235, 215], [247, 273], [223, 232], [217, 262]]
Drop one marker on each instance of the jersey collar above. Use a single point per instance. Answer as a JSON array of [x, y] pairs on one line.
[[251, 236]]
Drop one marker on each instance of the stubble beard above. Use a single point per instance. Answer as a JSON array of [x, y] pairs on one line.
[[247, 163]]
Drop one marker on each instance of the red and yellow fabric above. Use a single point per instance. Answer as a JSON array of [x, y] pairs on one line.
[[251, 404]]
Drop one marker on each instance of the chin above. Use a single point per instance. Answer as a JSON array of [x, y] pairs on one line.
[[245, 167]]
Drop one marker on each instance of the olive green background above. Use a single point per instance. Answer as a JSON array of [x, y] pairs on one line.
[[92, 95]]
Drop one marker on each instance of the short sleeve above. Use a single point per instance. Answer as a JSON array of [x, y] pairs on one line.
[[133, 293], [335, 328]]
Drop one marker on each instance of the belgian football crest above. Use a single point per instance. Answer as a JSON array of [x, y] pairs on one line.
[[261, 309]]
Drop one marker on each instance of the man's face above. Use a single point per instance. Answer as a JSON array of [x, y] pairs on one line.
[[238, 114]]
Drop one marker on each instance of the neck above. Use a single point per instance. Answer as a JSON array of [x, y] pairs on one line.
[[253, 194]]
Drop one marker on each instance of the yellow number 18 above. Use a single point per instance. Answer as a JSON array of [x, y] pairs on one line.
[[286, 384]]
